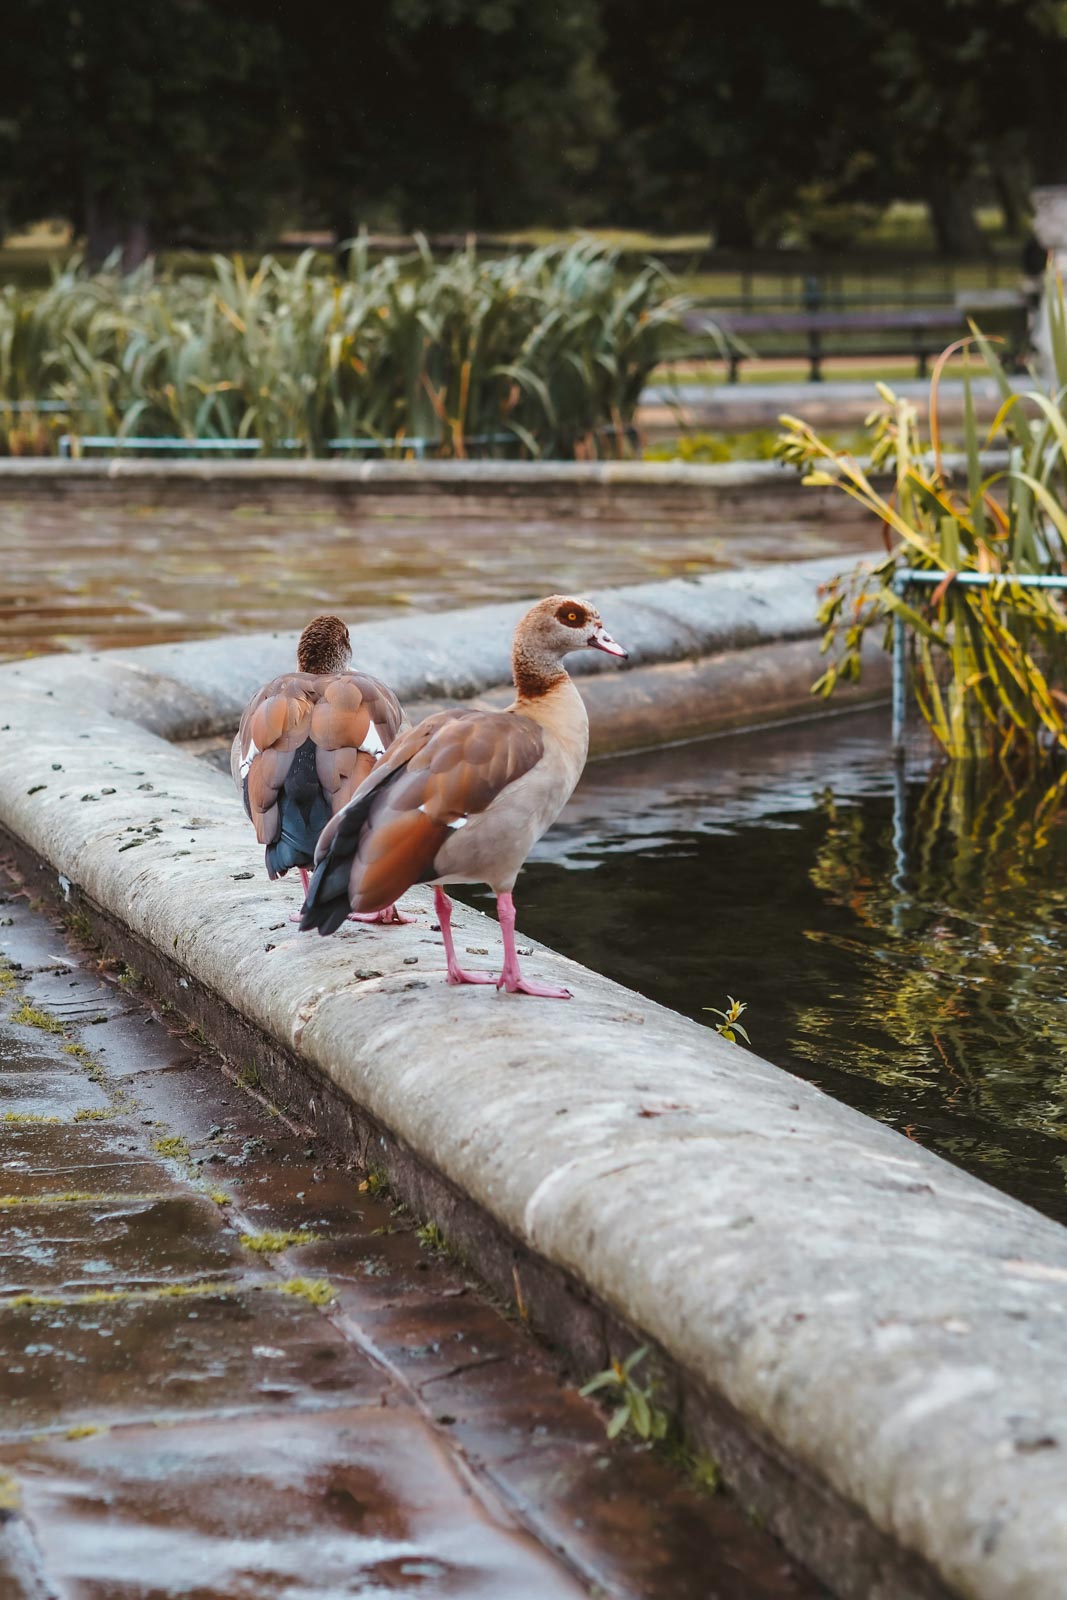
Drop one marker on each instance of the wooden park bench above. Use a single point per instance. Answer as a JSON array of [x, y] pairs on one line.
[[926, 330]]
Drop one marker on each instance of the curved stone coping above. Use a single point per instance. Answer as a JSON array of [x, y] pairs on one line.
[[187, 690], [889, 1326], [433, 477]]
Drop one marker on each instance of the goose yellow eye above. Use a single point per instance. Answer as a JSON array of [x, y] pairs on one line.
[[572, 616]]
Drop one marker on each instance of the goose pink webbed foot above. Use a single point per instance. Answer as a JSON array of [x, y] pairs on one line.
[[456, 973], [305, 879], [389, 915], [511, 978]]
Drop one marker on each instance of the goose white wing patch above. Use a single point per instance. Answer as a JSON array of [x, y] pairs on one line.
[[460, 822], [372, 744], [247, 760]]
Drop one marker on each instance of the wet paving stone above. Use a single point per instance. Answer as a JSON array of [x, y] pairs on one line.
[[363, 1502], [96, 1158], [49, 1092], [128, 1243], [177, 1423], [107, 1363]]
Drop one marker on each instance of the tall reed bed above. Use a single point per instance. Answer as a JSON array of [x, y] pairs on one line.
[[549, 350], [989, 663]]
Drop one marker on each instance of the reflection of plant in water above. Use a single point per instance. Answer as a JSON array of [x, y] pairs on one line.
[[960, 965]]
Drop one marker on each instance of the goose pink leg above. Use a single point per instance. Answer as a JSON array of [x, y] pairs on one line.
[[388, 914], [456, 973], [511, 978], [305, 879]]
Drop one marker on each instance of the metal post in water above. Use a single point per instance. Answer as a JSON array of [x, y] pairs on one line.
[[900, 671]]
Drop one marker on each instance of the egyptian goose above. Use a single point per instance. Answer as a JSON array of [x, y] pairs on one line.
[[463, 797], [306, 742]]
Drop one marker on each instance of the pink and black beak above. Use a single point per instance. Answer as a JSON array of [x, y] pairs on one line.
[[600, 639]]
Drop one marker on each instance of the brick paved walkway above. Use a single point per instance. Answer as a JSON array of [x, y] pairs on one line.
[[230, 1369]]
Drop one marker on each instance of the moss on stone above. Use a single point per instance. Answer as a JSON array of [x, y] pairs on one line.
[[269, 1243], [34, 1017], [173, 1147], [317, 1291]]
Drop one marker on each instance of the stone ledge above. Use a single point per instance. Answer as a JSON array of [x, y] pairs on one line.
[[185, 691], [871, 1338]]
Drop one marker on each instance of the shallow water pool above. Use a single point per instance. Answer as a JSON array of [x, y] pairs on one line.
[[901, 946]]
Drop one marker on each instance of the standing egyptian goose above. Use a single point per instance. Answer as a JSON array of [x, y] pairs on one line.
[[463, 797], [306, 742]]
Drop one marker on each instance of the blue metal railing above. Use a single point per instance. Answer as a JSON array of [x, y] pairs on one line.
[[419, 447], [905, 578]]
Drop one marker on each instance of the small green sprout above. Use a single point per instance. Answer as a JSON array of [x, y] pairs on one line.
[[431, 1237], [729, 1027], [635, 1409]]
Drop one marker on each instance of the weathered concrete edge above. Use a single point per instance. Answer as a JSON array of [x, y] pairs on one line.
[[803, 1269], [186, 691], [408, 477], [704, 482], [826, 1533], [756, 1335]]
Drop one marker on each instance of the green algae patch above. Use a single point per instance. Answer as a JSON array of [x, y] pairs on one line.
[[10, 1492], [107, 1297], [268, 1243], [34, 1017], [84, 1430], [173, 1147], [73, 1197], [316, 1291]]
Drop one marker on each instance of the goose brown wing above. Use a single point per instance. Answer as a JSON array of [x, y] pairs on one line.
[[450, 768], [305, 744], [355, 720], [276, 723]]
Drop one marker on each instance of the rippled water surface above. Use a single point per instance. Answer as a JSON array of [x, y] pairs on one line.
[[906, 953], [88, 574]]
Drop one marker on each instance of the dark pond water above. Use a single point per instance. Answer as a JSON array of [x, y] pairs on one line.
[[907, 953]]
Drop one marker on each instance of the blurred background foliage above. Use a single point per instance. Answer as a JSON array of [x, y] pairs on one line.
[[541, 353], [221, 122]]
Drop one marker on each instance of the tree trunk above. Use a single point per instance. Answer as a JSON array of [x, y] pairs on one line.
[[107, 233], [732, 224], [952, 216], [1011, 189]]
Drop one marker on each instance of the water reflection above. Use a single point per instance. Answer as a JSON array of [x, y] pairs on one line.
[[85, 574], [911, 963]]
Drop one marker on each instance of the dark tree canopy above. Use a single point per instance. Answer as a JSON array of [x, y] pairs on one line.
[[147, 121], [225, 119]]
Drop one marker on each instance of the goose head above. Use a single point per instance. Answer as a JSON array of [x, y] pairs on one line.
[[550, 630], [325, 646]]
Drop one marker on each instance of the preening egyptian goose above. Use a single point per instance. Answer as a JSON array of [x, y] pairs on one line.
[[306, 742], [463, 797]]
